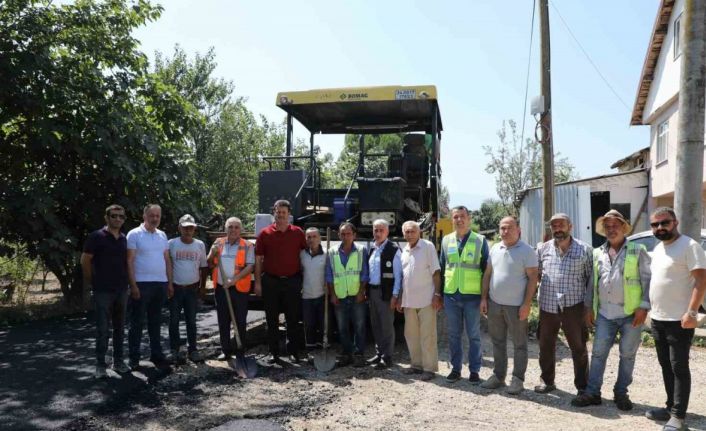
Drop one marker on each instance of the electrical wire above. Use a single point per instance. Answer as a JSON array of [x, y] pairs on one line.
[[589, 57]]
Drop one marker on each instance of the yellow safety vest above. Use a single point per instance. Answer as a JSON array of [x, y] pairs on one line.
[[346, 279], [463, 272], [632, 289]]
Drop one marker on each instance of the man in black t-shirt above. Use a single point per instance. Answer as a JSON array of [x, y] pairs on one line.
[[104, 262]]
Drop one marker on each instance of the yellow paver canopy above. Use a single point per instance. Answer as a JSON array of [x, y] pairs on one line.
[[389, 109]]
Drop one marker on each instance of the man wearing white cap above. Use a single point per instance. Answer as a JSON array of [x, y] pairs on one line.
[[189, 273], [620, 299], [566, 271]]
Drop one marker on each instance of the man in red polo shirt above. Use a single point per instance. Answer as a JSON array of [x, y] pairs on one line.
[[278, 279]]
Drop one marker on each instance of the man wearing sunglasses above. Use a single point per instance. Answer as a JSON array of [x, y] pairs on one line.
[[676, 291], [104, 264]]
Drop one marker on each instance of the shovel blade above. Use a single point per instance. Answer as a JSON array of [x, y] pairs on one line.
[[324, 361], [244, 367]]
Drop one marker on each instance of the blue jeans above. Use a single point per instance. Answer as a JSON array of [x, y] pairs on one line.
[[350, 312], [110, 307], [630, 338], [184, 298], [152, 297], [458, 313]]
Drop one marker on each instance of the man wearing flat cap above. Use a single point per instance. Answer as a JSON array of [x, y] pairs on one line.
[[565, 274], [619, 300]]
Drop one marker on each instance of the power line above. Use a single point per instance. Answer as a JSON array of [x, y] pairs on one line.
[[529, 62], [589, 57]]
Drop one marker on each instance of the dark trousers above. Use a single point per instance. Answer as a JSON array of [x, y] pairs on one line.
[[240, 309], [283, 295], [313, 313], [673, 344], [571, 321], [152, 297], [110, 307], [185, 298]]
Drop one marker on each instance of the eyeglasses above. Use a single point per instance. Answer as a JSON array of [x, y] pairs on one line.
[[663, 223], [120, 216]]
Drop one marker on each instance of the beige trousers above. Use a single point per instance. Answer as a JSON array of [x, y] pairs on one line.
[[420, 333]]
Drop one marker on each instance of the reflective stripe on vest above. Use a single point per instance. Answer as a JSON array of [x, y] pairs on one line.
[[463, 272], [632, 289], [346, 279], [242, 285]]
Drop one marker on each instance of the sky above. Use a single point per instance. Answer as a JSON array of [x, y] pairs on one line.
[[476, 52]]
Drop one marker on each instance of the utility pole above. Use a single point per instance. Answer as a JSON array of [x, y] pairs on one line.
[[690, 148], [545, 119]]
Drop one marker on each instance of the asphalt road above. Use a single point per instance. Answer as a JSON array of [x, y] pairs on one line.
[[46, 370]]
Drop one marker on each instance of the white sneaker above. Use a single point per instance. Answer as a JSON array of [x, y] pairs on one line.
[[674, 424], [516, 386], [120, 367], [101, 372]]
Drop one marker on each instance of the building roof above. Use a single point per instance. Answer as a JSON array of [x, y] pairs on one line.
[[522, 193], [637, 153], [659, 32]]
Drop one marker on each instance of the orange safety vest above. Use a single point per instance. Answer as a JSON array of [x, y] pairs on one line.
[[242, 285]]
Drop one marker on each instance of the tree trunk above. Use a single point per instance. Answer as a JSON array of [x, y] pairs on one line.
[[71, 282]]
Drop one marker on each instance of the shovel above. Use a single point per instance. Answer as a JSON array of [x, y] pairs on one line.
[[245, 368], [324, 360]]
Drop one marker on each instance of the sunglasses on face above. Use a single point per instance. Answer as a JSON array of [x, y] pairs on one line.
[[120, 216], [663, 223]]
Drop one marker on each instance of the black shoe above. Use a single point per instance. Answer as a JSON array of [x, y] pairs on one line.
[[273, 359], [160, 363], [622, 402], [659, 414], [344, 360], [544, 388], [374, 360], [474, 378], [453, 377], [295, 358], [224, 357], [584, 400], [358, 361], [383, 364], [134, 365]]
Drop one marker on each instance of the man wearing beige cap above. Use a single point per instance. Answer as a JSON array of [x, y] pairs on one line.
[[566, 271], [620, 299]]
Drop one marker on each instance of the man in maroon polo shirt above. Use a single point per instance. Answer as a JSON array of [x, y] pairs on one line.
[[278, 279]]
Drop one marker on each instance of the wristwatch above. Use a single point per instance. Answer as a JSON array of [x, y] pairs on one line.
[[693, 314], [437, 294]]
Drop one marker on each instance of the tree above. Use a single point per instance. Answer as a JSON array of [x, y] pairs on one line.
[[84, 124], [517, 166], [345, 166], [489, 214]]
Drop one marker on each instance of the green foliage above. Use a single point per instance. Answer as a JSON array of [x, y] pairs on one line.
[[489, 215], [230, 142], [517, 166], [344, 168], [84, 124]]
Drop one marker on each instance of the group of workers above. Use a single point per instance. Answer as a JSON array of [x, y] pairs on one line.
[[613, 287]]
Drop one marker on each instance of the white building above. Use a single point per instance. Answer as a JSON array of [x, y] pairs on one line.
[[657, 101], [587, 199]]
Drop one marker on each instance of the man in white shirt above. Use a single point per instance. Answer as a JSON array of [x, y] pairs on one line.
[[149, 272], [189, 273], [420, 299], [676, 290], [313, 262]]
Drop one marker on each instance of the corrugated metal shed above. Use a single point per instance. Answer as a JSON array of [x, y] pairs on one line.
[[567, 199]]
